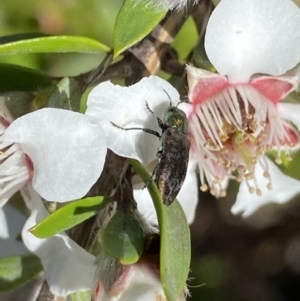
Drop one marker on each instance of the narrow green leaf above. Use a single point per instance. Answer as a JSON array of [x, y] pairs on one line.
[[65, 95], [134, 21], [50, 44], [175, 252], [17, 270], [68, 216], [17, 78], [123, 237]]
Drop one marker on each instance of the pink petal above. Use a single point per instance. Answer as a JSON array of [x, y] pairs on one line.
[[203, 84], [274, 88]]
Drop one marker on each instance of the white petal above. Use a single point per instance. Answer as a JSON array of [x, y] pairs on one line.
[[284, 188], [188, 198], [138, 282], [67, 267], [3, 227], [145, 204], [189, 193], [11, 223], [126, 107], [290, 112], [244, 37], [67, 151]]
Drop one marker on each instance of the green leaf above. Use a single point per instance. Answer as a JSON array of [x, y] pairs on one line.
[[17, 78], [175, 252], [200, 57], [50, 44], [68, 216], [17, 270], [134, 21], [123, 237], [65, 95]]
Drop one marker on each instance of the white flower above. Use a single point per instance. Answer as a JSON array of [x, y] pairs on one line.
[[234, 116], [60, 154], [55, 149], [67, 267], [126, 107]]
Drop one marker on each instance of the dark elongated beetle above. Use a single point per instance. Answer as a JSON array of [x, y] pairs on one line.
[[173, 152]]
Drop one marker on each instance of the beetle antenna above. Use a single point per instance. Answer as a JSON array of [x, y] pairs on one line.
[[168, 97], [147, 106], [185, 100]]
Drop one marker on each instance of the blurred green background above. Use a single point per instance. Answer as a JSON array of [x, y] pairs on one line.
[[233, 258]]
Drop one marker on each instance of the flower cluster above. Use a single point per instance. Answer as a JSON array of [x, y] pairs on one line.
[[235, 117], [58, 155]]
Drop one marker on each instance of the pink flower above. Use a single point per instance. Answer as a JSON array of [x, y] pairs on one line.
[[234, 116]]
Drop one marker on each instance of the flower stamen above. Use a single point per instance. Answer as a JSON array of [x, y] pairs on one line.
[[232, 130]]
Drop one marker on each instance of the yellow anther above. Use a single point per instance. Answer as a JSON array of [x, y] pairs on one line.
[[249, 176], [222, 193], [288, 157], [239, 179], [251, 189], [212, 191], [216, 180], [269, 186], [203, 187], [258, 192]]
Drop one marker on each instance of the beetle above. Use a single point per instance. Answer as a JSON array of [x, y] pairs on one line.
[[173, 153]]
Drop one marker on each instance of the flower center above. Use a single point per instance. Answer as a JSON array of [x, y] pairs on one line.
[[230, 134]]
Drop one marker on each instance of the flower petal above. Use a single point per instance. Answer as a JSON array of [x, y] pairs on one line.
[[188, 198], [3, 226], [284, 188], [204, 84], [68, 152], [11, 223], [290, 112], [126, 107], [67, 267], [137, 282], [274, 88], [245, 37]]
